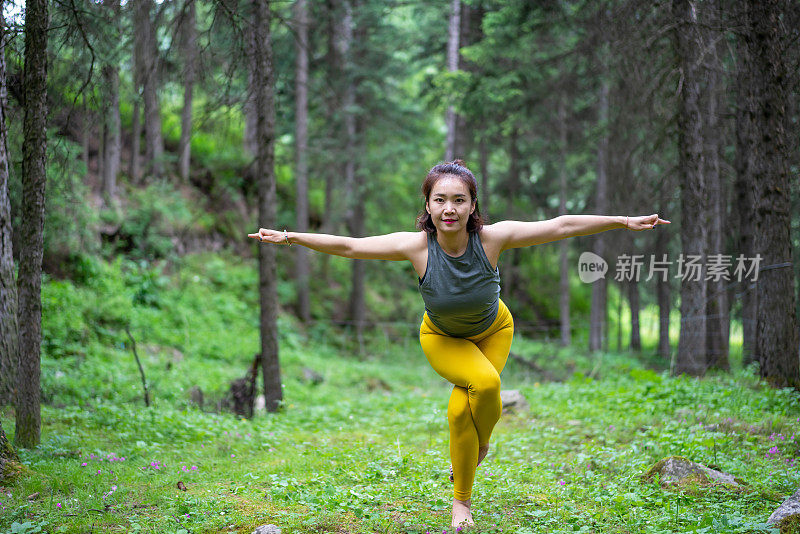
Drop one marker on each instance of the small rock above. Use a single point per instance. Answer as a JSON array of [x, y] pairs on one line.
[[177, 356], [790, 507], [311, 376], [377, 384], [678, 470], [513, 401], [267, 529]]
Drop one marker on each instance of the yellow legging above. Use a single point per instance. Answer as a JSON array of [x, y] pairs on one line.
[[472, 365]]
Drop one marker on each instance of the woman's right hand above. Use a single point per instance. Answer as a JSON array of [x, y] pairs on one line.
[[266, 235]]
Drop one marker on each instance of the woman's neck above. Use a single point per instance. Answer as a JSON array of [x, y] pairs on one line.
[[453, 244]]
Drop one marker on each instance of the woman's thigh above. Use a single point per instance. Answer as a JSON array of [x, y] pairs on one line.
[[496, 347], [457, 360]]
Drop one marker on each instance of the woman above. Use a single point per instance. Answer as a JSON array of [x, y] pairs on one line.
[[466, 330]]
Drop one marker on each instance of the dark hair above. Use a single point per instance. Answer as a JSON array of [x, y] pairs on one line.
[[456, 169]]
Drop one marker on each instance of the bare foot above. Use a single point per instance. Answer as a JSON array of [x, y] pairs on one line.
[[462, 516], [482, 452]]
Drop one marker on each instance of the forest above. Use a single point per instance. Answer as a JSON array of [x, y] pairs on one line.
[[161, 372]]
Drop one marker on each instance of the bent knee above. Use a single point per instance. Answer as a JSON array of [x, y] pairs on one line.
[[487, 384], [459, 412]]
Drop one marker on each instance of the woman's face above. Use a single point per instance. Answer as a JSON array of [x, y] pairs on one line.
[[450, 205]]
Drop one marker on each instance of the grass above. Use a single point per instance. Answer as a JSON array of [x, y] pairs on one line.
[[366, 450]]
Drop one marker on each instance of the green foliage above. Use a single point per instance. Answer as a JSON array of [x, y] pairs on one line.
[[377, 460], [156, 216], [25, 528], [70, 219], [366, 449]]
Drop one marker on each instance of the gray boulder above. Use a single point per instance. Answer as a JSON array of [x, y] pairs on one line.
[[310, 376], [267, 529], [790, 507], [679, 470], [513, 401], [10, 466]]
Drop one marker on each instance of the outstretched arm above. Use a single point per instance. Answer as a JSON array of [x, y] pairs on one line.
[[516, 234], [396, 246]]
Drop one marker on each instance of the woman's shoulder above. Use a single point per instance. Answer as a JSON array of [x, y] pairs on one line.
[[413, 240], [492, 242], [490, 232]]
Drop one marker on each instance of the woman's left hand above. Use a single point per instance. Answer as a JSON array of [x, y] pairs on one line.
[[645, 222]]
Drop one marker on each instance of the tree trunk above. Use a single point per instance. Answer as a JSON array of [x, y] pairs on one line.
[[620, 296], [333, 71], [663, 285], [250, 136], [470, 20], [262, 89], [452, 66], [302, 270], [777, 328], [34, 158], [112, 134], [746, 146], [9, 327], [692, 344], [112, 129], [717, 325], [483, 159], [358, 304], [332, 171], [85, 133], [146, 34], [135, 167], [189, 74], [352, 178], [102, 133], [346, 43], [598, 315], [633, 302], [566, 334], [512, 188]]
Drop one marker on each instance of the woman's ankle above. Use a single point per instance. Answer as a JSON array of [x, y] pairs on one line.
[[462, 513]]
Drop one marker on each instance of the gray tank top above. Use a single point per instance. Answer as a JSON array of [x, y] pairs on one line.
[[461, 294]]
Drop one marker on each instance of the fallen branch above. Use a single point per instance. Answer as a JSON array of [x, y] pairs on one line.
[[547, 375], [141, 370]]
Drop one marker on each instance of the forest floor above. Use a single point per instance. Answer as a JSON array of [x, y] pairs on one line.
[[366, 450]]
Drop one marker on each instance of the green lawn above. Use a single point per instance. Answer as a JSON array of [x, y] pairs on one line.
[[341, 458]]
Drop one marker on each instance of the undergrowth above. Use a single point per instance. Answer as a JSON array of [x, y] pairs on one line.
[[365, 450]]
